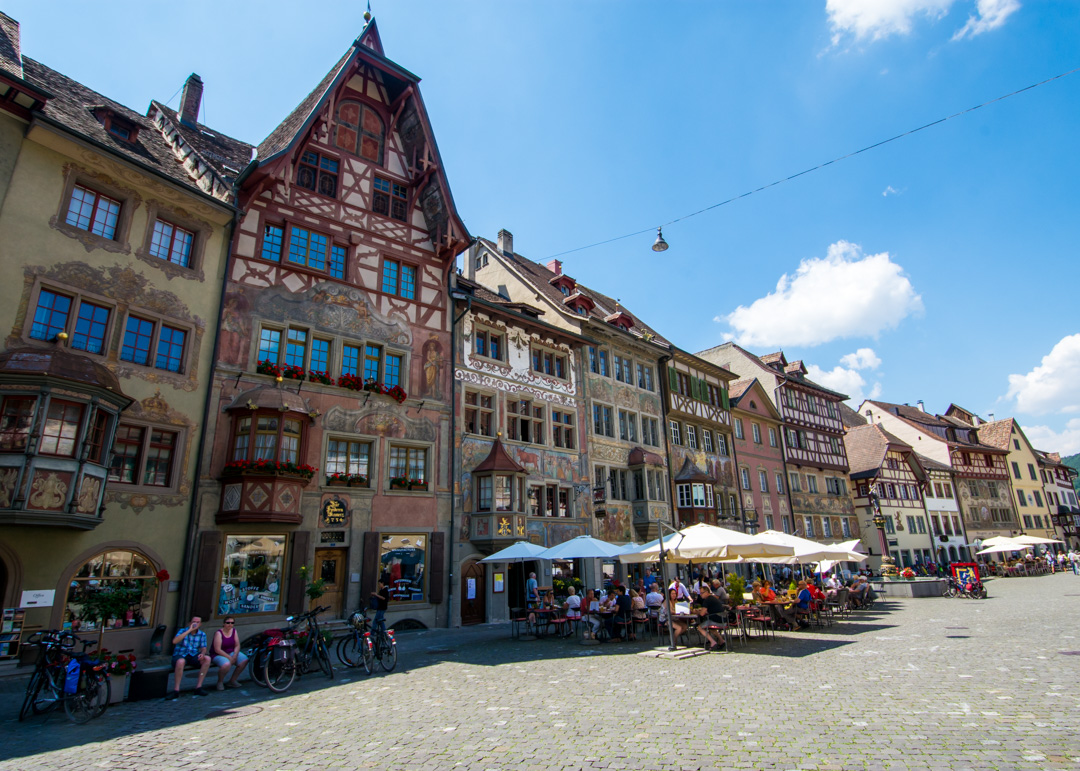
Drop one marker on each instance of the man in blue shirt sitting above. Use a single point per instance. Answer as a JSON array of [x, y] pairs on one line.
[[190, 650]]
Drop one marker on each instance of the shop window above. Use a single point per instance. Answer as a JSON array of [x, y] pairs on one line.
[[91, 211], [359, 130], [479, 413], [251, 574], [390, 199], [171, 243], [112, 590], [403, 563], [318, 173], [16, 418]]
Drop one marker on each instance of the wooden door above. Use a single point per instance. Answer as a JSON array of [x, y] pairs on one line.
[[330, 567], [473, 590]]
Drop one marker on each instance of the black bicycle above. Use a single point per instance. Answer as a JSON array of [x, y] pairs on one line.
[[356, 649], [77, 681], [384, 647], [297, 651]]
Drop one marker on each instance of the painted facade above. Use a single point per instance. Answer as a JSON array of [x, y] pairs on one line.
[[518, 382], [760, 473], [115, 247], [1060, 495], [622, 386], [943, 511], [700, 441], [334, 361]]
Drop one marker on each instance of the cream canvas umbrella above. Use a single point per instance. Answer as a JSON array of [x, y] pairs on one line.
[[806, 550], [707, 543], [1003, 545]]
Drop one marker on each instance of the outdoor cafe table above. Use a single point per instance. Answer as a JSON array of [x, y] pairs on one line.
[[544, 619]]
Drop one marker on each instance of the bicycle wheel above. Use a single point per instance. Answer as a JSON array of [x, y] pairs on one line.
[[90, 700], [387, 653], [32, 690], [352, 652], [369, 654], [322, 656], [258, 665], [278, 672], [50, 690]]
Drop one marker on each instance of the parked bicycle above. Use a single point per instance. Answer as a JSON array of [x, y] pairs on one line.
[[76, 680], [292, 651], [364, 645]]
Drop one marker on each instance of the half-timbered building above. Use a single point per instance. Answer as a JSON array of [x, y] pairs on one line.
[[113, 238], [887, 466], [813, 431], [700, 442], [331, 401], [979, 470], [622, 363], [1060, 495], [942, 503], [520, 447], [760, 474]]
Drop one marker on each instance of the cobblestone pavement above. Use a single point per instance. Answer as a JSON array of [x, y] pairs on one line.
[[910, 684]]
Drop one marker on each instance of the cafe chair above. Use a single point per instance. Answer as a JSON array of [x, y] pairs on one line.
[[519, 619]]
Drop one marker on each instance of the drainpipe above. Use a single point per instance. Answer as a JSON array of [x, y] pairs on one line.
[[665, 398], [193, 523], [452, 296]]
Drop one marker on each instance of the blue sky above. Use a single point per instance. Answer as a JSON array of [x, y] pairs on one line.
[[939, 267]]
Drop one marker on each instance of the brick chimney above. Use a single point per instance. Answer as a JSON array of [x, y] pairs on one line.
[[555, 266], [191, 100], [506, 242]]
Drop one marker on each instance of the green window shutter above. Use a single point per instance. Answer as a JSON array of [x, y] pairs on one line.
[[673, 380], [724, 399], [703, 390]]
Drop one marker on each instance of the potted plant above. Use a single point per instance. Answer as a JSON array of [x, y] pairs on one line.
[[337, 479], [315, 376], [268, 368], [358, 480], [735, 588], [315, 588], [417, 484], [352, 382], [907, 573], [399, 483], [293, 372], [118, 666]]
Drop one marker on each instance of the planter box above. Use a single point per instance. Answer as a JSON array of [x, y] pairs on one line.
[[119, 688]]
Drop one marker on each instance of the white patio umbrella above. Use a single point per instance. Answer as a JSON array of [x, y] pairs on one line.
[[707, 543], [1004, 545], [1030, 540], [518, 552], [581, 547], [807, 550]]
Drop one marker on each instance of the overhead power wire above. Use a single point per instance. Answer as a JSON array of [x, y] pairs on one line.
[[937, 122]]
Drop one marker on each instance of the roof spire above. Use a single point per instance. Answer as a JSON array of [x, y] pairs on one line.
[[367, 13]]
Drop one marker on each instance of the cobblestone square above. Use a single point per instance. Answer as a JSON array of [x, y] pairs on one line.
[[912, 684]]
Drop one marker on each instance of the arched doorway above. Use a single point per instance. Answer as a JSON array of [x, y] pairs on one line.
[[473, 590]]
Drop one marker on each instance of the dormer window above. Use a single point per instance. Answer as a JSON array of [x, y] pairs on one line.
[[117, 125], [621, 320], [579, 303]]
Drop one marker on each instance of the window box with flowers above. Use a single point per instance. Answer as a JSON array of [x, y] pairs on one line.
[[314, 376], [356, 383], [269, 468], [286, 371], [399, 483]]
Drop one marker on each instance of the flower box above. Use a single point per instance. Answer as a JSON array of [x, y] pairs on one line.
[[417, 485], [315, 376], [358, 481], [399, 483], [269, 468]]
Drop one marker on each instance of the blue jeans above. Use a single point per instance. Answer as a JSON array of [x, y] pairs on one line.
[[379, 625]]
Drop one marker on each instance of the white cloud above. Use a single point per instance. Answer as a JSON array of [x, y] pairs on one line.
[[878, 19], [1052, 386], [990, 14], [889, 190], [1047, 439], [846, 380], [845, 294], [864, 358]]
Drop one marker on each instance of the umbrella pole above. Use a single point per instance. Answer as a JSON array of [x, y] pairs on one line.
[[667, 602]]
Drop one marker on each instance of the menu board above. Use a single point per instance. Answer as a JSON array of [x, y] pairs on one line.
[[10, 632]]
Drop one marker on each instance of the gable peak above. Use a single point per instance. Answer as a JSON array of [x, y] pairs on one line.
[[369, 37]]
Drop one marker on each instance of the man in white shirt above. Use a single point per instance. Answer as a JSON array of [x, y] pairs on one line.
[[680, 587], [654, 599]]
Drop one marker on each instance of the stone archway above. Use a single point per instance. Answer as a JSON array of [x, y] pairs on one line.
[[11, 574]]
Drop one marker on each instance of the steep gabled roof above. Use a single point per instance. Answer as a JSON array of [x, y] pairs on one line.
[[226, 155], [10, 47], [935, 426], [997, 434], [932, 465], [499, 460], [539, 277], [867, 445], [739, 392], [850, 417], [72, 107]]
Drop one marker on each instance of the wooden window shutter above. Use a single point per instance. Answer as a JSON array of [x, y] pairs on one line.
[[369, 566], [436, 580], [294, 602], [702, 390], [206, 574], [724, 399], [673, 380]]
